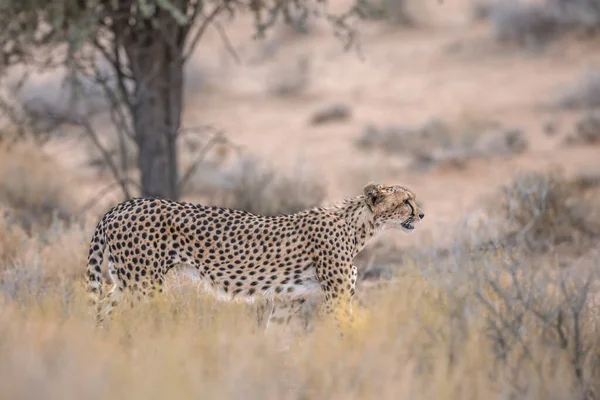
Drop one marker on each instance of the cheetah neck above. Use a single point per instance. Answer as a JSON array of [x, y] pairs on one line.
[[360, 220]]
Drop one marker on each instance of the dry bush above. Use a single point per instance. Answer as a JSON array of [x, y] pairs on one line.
[[524, 22], [290, 78], [257, 187], [534, 23], [121, 149], [437, 142], [30, 265], [336, 112], [226, 175], [584, 93], [423, 335], [587, 131], [469, 324], [12, 239], [546, 210], [434, 133], [32, 185], [455, 324], [397, 12], [538, 314]]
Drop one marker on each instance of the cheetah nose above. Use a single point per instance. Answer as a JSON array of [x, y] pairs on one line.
[[422, 215]]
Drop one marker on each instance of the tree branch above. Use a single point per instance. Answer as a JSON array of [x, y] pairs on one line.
[[82, 122], [226, 41], [103, 192], [216, 138], [200, 31]]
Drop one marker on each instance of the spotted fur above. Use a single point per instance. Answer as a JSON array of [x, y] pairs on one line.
[[241, 255]]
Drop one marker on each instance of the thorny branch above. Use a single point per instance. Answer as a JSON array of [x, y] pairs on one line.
[[226, 42], [515, 305], [206, 20], [103, 192], [216, 138], [62, 118]]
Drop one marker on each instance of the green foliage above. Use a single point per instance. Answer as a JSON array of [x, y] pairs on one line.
[[29, 27]]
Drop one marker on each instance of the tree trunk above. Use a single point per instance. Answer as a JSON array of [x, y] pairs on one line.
[[156, 105]]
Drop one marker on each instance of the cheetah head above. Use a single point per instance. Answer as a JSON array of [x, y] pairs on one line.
[[393, 206]]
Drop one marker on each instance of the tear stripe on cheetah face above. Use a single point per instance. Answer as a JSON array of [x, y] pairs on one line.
[[239, 255]]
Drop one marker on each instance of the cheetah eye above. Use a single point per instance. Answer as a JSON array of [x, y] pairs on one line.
[[406, 201]]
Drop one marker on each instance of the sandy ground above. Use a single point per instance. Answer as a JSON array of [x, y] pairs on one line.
[[449, 67]]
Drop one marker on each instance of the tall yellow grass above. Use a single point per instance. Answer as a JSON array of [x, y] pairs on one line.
[[490, 325], [417, 338]]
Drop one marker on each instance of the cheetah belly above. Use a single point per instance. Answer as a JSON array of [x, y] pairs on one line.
[[250, 285]]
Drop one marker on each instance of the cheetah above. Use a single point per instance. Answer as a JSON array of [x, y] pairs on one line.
[[239, 255]]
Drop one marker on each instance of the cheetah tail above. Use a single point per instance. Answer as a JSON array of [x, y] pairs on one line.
[[94, 273]]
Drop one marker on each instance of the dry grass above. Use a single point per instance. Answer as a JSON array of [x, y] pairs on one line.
[[535, 23], [242, 181], [547, 210], [32, 185], [424, 335], [471, 324], [121, 149], [397, 12], [437, 142], [584, 93], [12, 239], [290, 78]]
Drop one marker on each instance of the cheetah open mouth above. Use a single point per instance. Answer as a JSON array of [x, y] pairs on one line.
[[408, 224]]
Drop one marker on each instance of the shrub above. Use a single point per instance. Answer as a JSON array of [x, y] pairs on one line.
[[536, 23], [506, 331], [453, 324], [400, 12], [32, 186], [257, 187], [12, 239], [545, 210], [49, 259], [585, 93], [122, 151], [436, 142], [587, 130], [290, 78]]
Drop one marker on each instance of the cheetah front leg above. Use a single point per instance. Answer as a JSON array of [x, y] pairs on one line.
[[338, 283]]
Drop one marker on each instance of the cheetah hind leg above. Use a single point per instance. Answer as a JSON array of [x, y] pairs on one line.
[[283, 311], [108, 303]]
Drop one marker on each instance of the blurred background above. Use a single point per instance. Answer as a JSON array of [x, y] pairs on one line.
[[486, 109]]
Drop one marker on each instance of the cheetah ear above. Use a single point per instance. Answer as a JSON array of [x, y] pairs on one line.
[[372, 193]]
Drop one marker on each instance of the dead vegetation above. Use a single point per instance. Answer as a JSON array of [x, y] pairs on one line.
[[290, 78], [492, 325], [121, 149], [544, 211], [582, 94], [227, 175], [257, 187], [536, 23], [32, 186], [587, 130], [396, 12], [464, 322], [337, 112], [437, 142], [514, 316]]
